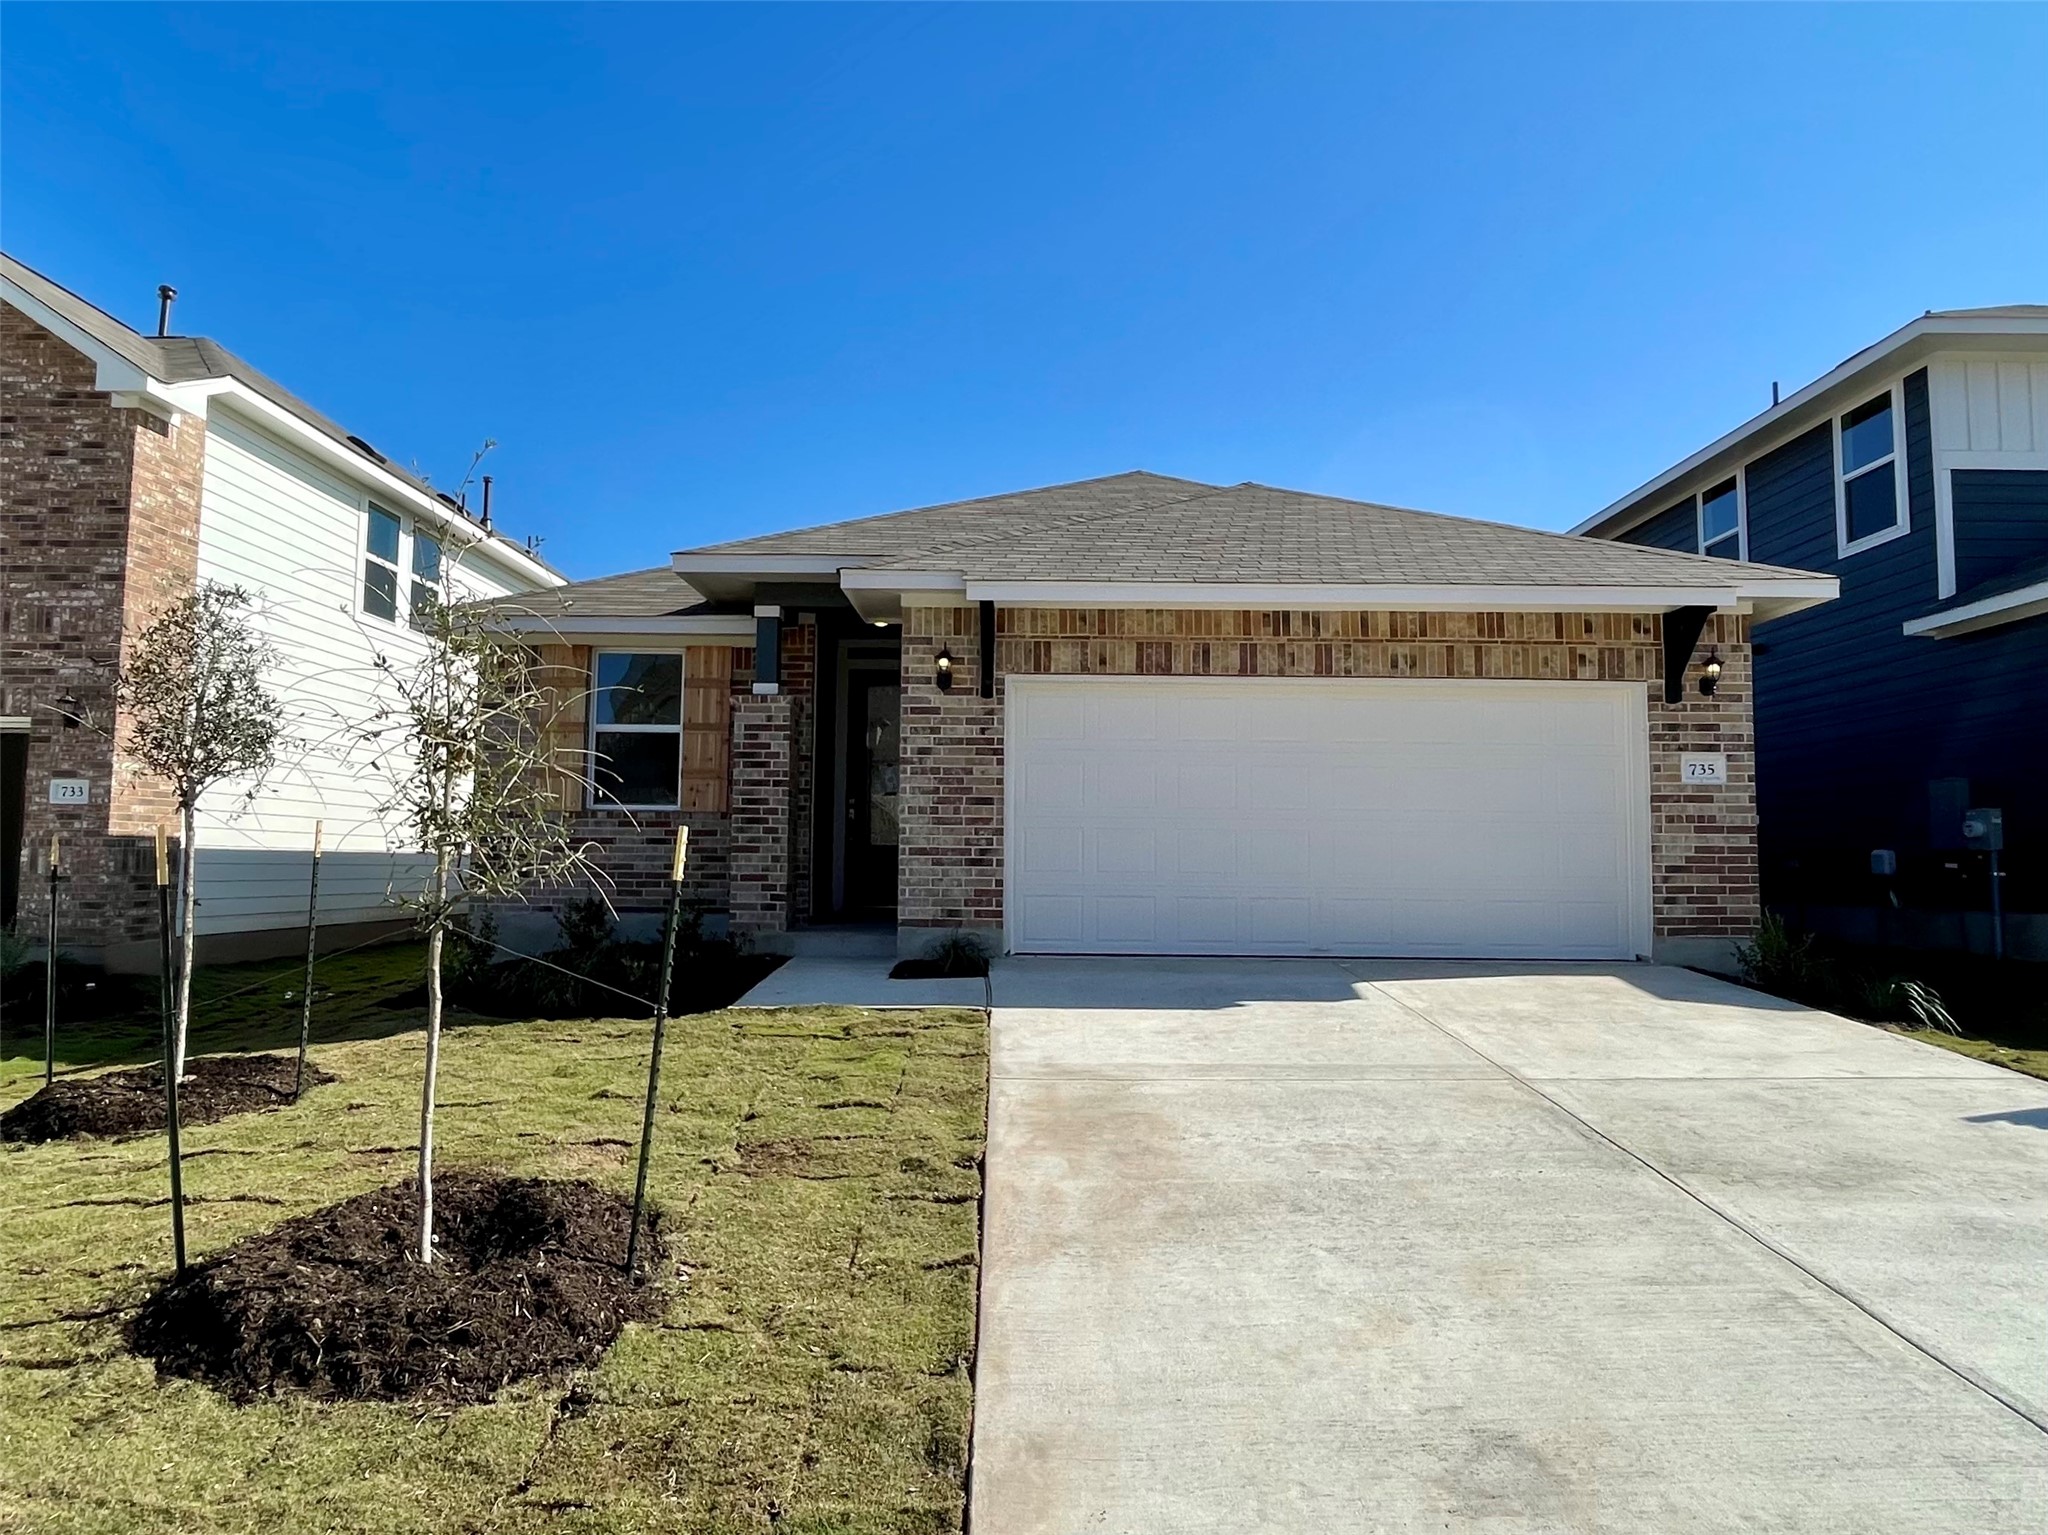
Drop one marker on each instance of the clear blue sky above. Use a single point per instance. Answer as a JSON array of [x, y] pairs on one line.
[[705, 272]]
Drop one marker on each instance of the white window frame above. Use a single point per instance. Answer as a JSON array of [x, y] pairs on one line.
[[409, 545], [1699, 515], [1844, 546], [598, 800], [396, 565]]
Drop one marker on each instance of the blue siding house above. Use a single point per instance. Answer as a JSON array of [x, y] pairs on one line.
[[1916, 473]]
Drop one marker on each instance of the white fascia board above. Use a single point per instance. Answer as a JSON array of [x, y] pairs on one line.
[[707, 626], [880, 596], [796, 567], [114, 373], [1990, 613], [1889, 355], [381, 482], [919, 581], [1737, 595]]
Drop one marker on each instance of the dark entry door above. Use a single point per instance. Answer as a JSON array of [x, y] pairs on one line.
[[13, 815], [872, 716]]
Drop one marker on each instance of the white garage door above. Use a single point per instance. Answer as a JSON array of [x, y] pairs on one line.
[[1270, 816]]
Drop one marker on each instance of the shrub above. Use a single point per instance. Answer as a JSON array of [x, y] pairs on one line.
[[1779, 960]]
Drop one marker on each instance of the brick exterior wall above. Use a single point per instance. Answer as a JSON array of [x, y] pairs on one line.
[[632, 850], [1703, 841], [99, 522], [950, 800], [763, 734]]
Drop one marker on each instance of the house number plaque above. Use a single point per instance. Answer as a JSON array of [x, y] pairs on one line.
[[1705, 769]]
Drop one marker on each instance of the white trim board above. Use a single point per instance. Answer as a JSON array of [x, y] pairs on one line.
[[1989, 613]]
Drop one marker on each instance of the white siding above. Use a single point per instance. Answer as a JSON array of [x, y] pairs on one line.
[[291, 532], [1991, 407]]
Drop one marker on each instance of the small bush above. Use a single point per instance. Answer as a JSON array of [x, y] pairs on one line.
[[593, 972], [1793, 965], [1780, 960]]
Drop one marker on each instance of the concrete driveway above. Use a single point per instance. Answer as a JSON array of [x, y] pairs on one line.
[[1398, 1247]]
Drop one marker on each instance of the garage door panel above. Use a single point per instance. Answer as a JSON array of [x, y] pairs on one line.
[[1124, 853], [1205, 787], [1329, 816]]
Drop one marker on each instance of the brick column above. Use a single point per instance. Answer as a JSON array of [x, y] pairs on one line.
[[951, 804], [763, 740]]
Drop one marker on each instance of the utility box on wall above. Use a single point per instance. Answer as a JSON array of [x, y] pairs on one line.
[[1984, 830]]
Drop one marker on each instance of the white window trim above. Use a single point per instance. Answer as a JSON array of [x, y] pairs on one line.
[[597, 799], [397, 566], [1699, 513], [1844, 547]]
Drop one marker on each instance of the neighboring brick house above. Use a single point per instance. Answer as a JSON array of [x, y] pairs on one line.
[[1917, 474], [1147, 715], [131, 467]]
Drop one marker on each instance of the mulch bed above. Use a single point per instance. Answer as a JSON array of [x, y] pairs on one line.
[[528, 1279], [131, 1102]]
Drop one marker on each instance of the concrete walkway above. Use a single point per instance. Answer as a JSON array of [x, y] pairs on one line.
[[1300, 1246]]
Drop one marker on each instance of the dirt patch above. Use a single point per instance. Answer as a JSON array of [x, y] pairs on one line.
[[131, 1102], [527, 1281]]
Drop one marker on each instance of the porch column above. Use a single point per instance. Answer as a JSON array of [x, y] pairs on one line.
[[763, 752]]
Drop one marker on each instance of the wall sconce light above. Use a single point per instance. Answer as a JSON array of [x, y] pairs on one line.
[[944, 678], [1710, 674], [67, 708]]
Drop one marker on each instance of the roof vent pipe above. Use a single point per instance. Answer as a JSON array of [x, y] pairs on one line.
[[487, 501], [165, 293], [1774, 394]]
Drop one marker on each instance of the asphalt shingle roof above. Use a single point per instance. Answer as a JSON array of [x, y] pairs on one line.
[[656, 593], [1154, 528], [925, 527]]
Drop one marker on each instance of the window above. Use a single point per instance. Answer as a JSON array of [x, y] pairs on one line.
[[380, 564], [1721, 531], [1870, 488], [426, 578], [636, 736]]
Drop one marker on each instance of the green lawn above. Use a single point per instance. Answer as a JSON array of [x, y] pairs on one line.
[[2033, 1062], [820, 1168]]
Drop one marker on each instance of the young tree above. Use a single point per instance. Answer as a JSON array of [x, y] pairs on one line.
[[480, 792], [198, 715]]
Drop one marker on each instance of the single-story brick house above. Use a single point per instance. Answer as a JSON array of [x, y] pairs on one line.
[[1147, 715]]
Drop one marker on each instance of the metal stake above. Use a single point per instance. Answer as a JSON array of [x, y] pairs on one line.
[[306, 992], [167, 994], [668, 961], [1997, 910], [50, 978]]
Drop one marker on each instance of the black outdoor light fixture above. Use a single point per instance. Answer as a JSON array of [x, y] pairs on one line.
[[67, 706], [944, 672], [1710, 674]]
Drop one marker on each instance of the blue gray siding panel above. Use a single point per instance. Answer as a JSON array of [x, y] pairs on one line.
[[2001, 520], [1854, 718], [1677, 528]]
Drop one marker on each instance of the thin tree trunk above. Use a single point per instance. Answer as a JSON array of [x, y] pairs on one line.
[[435, 933], [188, 905]]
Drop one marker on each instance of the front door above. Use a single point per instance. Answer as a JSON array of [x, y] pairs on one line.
[[872, 715]]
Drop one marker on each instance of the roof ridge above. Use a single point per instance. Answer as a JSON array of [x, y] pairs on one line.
[[736, 544], [1026, 526]]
